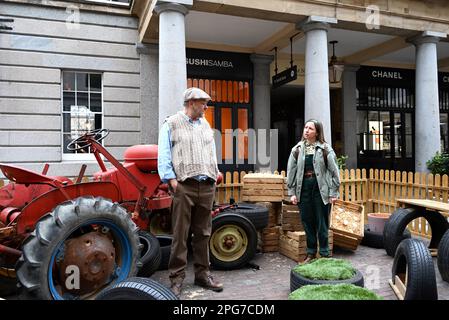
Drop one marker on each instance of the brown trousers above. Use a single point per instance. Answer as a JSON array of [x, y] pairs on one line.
[[191, 210]]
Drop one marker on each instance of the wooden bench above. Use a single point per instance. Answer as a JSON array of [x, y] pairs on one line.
[[430, 205]]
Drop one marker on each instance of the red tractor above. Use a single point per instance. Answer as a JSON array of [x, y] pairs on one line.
[[65, 240]]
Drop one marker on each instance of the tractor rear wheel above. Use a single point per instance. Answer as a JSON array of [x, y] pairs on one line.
[[83, 246]]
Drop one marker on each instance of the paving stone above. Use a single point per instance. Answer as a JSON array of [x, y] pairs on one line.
[[272, 280]]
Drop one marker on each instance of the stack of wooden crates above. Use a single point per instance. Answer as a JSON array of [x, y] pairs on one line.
[[266, 190]]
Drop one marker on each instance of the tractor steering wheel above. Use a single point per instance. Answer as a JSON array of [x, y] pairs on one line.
[[84, 141]]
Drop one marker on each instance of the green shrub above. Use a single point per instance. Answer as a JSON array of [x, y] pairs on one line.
[[439, 164], [326, 269], [333, 292], [341, 161]]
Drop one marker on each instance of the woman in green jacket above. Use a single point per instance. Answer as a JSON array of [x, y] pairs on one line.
[[313, 181]]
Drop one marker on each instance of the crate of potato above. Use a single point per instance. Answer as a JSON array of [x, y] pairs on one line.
[[258, 187], [347, 222]]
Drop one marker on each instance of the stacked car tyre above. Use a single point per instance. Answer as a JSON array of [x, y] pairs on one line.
[[413, 262], [398, 221], [297, 280], [443, 257]]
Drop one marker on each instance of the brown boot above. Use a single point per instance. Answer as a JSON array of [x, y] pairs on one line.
[[176, 288], [209, 283], [308, 258]]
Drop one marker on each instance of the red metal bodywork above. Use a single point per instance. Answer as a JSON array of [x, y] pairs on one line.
[[48, 201], [30, 195]]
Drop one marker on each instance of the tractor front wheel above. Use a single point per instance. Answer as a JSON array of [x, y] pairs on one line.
[[81, 247]]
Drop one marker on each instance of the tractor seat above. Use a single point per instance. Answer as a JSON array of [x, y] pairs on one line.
[[24, 176]]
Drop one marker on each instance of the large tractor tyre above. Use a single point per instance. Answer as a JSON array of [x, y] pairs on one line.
[[81, 247], [297, 280], [233, 241], [414, 266], [150, 256], [165, 244], [258, 215], [398, 221], [376, 240], [443, 257], [137, 289]]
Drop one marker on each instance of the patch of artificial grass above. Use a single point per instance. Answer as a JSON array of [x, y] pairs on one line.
[[326, 269], [333, 292]]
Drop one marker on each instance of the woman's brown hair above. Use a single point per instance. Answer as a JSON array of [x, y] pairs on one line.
[[319, 130]]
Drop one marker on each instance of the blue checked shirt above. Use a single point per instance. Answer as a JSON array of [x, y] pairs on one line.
[[164, 158]]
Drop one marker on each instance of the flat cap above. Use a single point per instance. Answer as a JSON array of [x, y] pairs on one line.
[[194, 94]]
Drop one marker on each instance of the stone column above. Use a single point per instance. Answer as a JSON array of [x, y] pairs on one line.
[[350, 115], [427, 112], [261, 113], [317, 100], [149, 105], [172, 57]]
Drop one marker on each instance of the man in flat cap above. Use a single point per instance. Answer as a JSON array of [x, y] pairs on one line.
[[188, 163]]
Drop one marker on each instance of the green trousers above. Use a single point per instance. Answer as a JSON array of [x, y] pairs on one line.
[[315, 217]]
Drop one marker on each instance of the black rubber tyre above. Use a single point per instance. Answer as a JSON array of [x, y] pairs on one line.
[[398, 221], [150, 256], [297, 280], [376, 240], [258, 215], [35, 267], [137, 289], [165, 244], [235, 229], [443, 257], [413, 255]]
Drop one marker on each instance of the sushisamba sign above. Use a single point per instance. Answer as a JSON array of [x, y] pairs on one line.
[[218, 65]]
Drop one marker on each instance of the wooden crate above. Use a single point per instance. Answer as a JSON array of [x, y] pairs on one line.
[[270, 239], [290, 218], [293, 244], [347, 222], [259, 187]]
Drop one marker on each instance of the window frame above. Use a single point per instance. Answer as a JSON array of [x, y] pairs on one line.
[[79, 156]]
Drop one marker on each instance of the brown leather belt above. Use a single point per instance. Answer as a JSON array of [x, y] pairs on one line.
[[309, 174]]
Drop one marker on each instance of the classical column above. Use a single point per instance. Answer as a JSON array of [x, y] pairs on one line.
[[261, 114], [350, 115], [172, 57], [427, 112], [317, 100], [149, 91]]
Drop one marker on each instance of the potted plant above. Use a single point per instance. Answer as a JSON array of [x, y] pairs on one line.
[[325, 271], [439, 164], [342, 291]]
